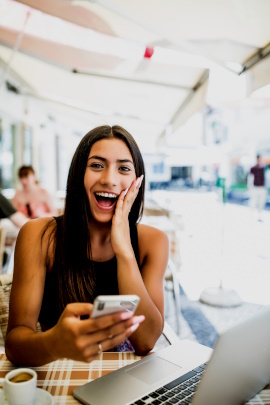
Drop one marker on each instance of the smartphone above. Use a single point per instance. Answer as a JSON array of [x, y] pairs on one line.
[[110, 304]]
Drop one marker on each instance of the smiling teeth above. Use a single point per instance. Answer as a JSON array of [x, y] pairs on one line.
[[106, 195]]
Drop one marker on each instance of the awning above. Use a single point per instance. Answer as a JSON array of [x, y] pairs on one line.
[[96, 56]]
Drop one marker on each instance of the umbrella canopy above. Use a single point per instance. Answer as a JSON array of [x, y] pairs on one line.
[[145, 64]]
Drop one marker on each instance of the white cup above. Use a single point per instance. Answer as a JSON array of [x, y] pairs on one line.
[[20, 386]]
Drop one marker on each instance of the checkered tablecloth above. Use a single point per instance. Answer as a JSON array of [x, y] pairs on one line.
[[62, 376]]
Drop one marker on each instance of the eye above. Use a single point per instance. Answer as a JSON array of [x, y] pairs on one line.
[[124, 169], [96, 165]]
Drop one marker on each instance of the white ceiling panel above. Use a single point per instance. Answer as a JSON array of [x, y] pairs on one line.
[[90, 54], [142, 101]]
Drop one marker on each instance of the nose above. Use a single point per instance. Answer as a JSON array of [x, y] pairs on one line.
[[24, 182], [108, 177]]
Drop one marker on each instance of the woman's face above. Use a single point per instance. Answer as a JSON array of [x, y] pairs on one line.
[[109, 171], [28, 182]]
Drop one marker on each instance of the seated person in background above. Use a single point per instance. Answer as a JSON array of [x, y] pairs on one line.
[[96, 247], [33, 201], [8, 211]]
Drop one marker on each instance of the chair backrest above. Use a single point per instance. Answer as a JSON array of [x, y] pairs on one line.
[[2, 245], [10, 265], [172, 284], [5, 287], [156, 211], [170, 334]]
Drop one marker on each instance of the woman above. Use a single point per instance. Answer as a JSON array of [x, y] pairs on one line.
[[95, 248], [32, 200]]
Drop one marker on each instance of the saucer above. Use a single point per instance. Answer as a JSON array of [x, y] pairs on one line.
[[42, 398]]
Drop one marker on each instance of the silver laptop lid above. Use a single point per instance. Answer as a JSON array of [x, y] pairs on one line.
[[240, 364]]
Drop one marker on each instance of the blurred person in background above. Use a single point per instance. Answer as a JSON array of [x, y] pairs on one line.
[[8, 211], [256, 181], [32, 200], [17, 218]]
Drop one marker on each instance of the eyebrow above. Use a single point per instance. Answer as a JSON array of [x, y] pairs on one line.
[[104, 160]]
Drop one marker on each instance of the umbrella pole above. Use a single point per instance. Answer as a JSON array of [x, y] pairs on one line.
[[221, 296]]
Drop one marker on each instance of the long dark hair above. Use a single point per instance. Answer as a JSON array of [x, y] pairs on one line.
[[72, 237]]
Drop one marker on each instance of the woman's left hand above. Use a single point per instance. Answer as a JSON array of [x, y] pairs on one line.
[[120, 236]]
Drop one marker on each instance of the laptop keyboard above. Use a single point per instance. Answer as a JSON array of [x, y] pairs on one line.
[[179, 391]]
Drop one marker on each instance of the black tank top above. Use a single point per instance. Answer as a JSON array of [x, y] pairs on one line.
[[105, 280]]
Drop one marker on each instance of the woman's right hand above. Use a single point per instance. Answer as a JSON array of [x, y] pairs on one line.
[[80, 340]]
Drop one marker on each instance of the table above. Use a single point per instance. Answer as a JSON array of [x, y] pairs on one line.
[[62, 376]]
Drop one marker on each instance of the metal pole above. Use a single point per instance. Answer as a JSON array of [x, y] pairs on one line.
[[15, 49]]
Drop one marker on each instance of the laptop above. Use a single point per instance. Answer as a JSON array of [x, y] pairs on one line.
[[188, 372]]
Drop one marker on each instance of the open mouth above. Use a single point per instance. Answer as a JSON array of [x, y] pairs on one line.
[[106, 200]]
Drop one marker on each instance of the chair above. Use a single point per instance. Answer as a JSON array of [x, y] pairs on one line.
[[10, 264], [167, 338], [169, 334], [2, 245], [5, 286], [156, 211], [172, 285]]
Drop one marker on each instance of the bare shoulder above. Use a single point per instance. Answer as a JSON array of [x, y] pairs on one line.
[[145, 232], [35, 245], [34, 229], [152, 241], [18, 195], [44, 192]]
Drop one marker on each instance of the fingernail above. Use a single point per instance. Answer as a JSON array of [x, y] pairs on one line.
[[134, 327], [138, 319], [139, 181], [125, 192], [126, 315]]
